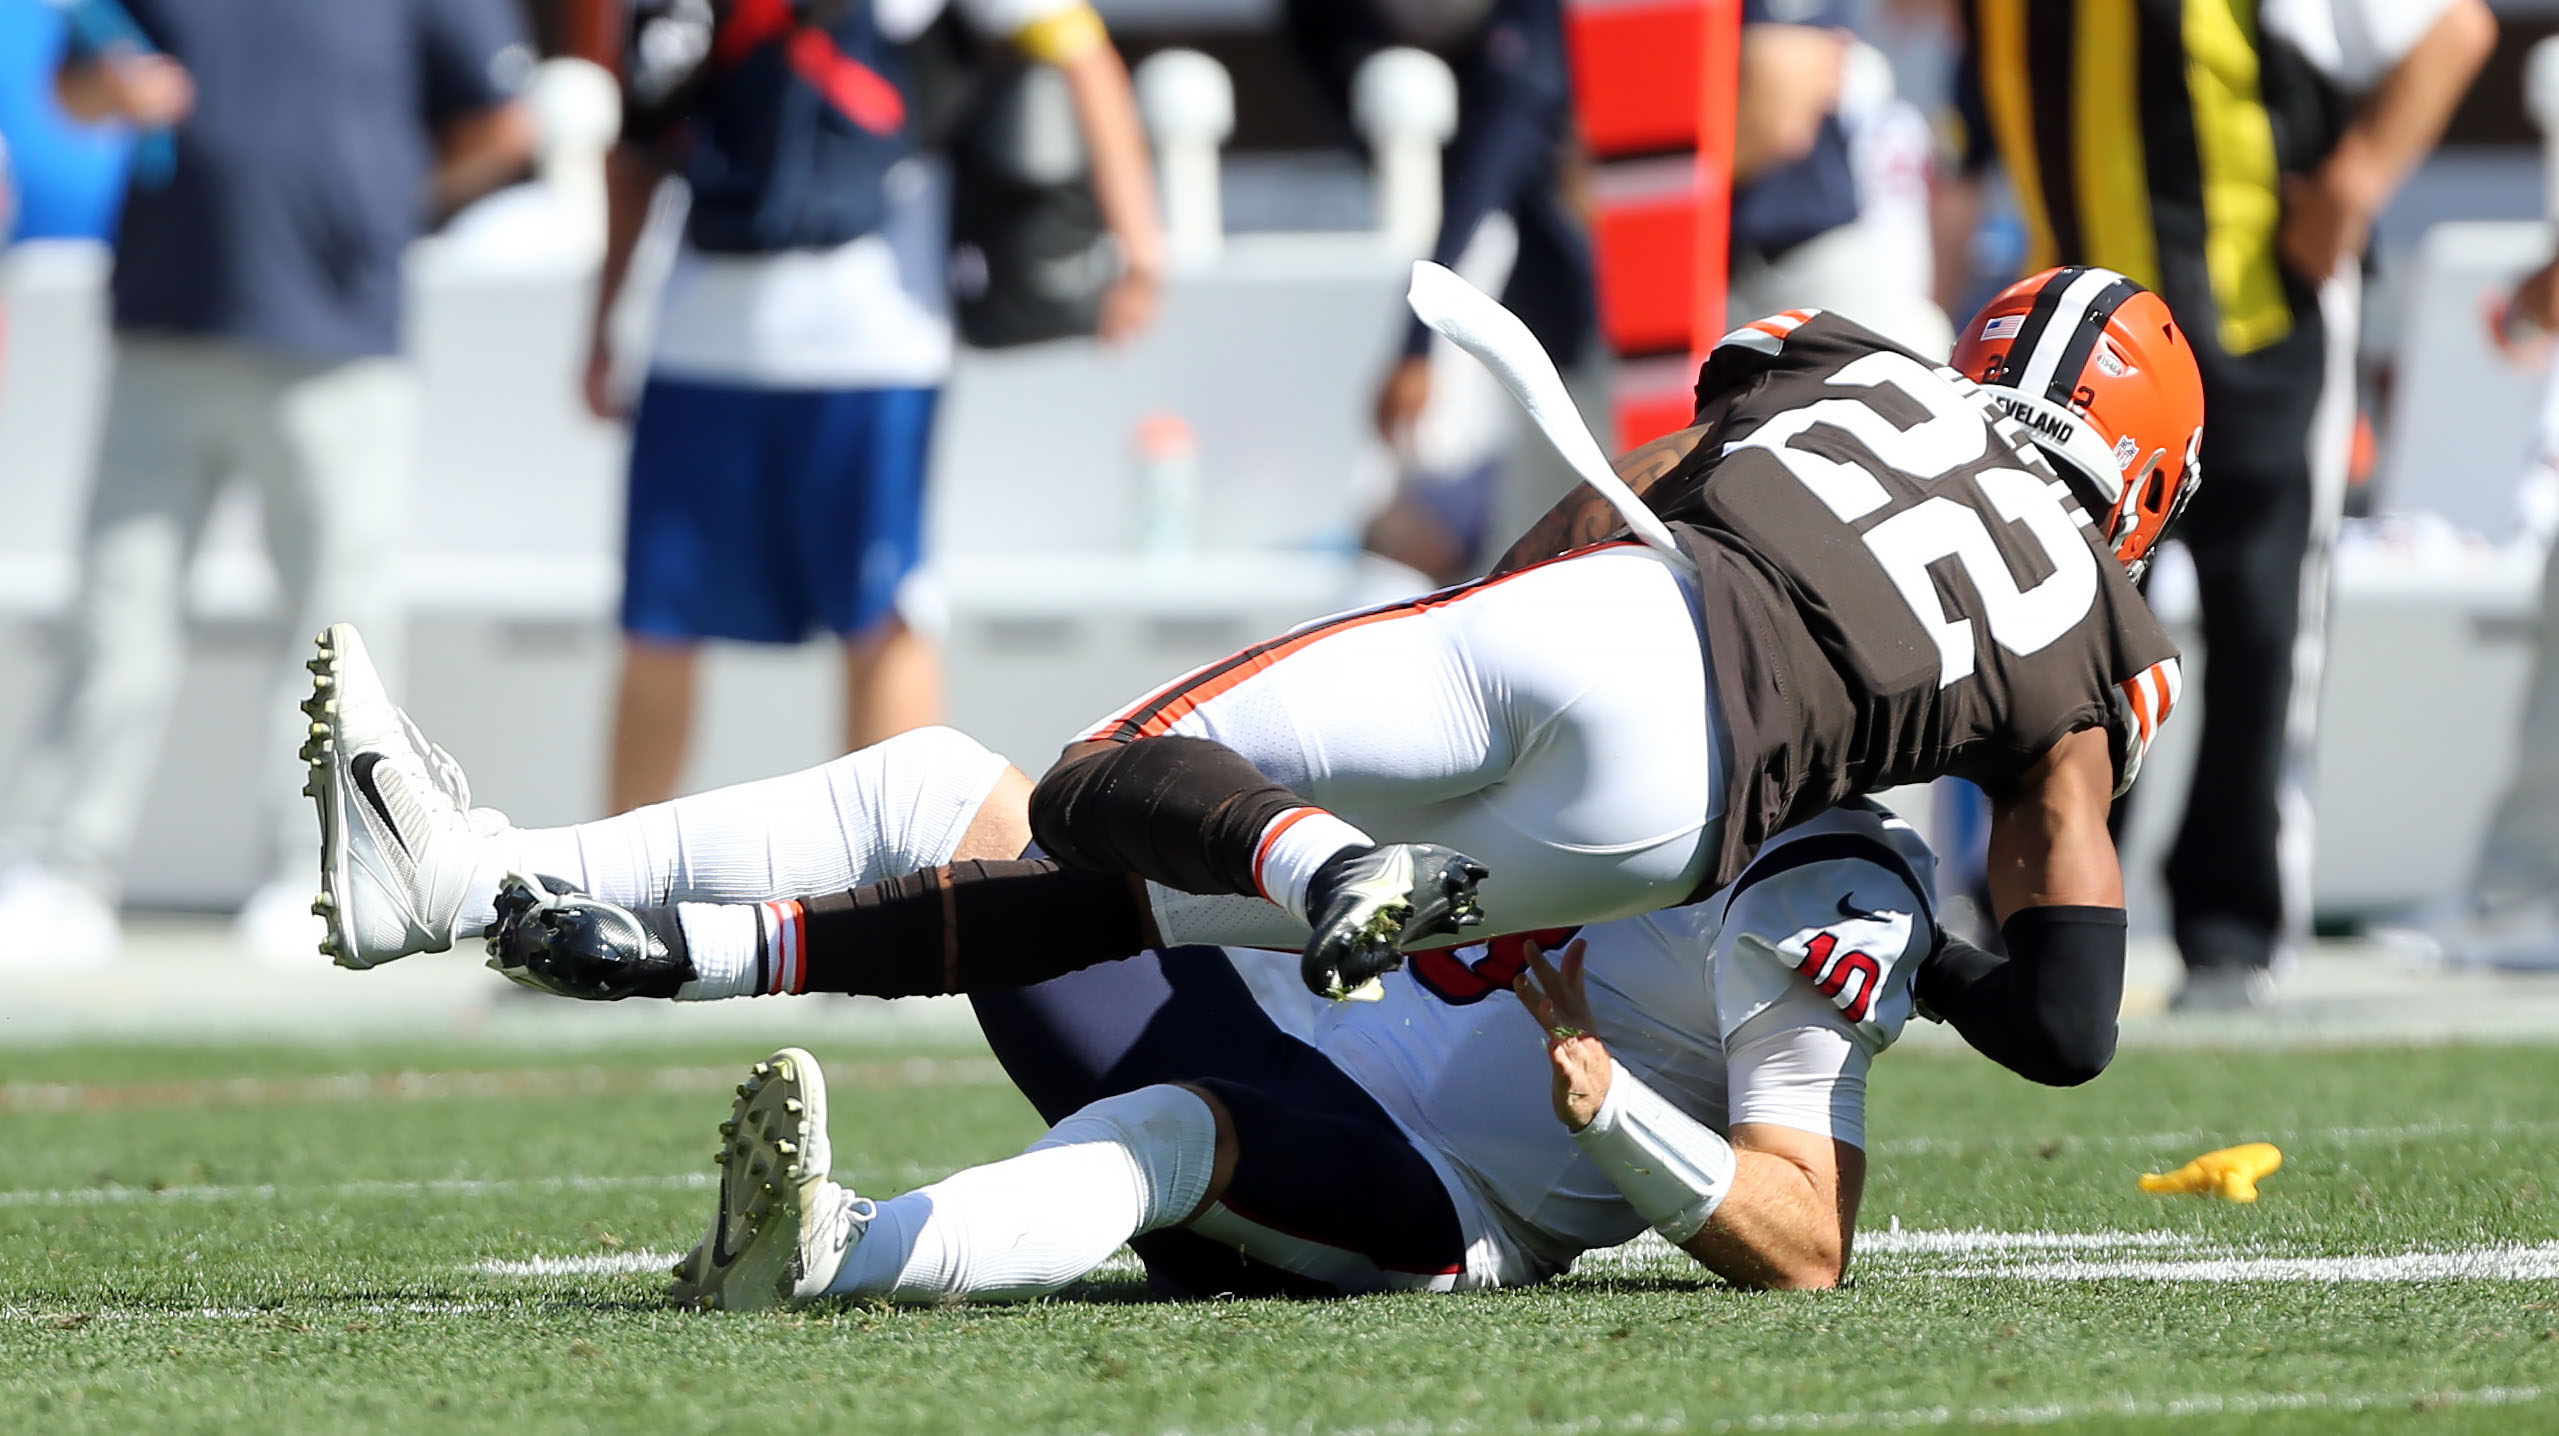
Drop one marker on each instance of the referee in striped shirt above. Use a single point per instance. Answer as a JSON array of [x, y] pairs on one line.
[[2230, 154]]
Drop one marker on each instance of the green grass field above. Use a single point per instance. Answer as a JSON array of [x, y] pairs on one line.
[[201, 1238]]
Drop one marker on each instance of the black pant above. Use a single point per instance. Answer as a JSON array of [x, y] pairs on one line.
[[2260, 543], [1316, 1156]]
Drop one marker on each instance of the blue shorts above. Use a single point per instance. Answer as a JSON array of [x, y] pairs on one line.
[[767, 515]]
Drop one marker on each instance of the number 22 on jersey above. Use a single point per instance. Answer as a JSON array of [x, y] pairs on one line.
[[1938, 529]]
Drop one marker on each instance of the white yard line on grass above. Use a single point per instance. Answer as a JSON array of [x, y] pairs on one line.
[[599, 1264], [2172, 1409], [267, 1191], [1897, 1241], [1968, 1241], [2499, 1263], [2411, 1131], [453, 1086], [81, 1316], [2132, 1408]]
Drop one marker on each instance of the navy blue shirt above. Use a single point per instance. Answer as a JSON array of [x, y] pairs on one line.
[[1514, 121], [306, 168], [783, 121], [1794, 202]]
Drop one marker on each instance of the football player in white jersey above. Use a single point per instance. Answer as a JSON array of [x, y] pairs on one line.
[[1705, 1079]]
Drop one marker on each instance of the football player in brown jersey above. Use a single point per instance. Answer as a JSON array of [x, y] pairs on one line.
[[1886, 570]]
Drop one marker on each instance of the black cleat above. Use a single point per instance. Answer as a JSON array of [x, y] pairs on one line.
[[553, 938], [1370, 903]]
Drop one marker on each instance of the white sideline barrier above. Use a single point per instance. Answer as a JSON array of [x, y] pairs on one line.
[[1052, 620]]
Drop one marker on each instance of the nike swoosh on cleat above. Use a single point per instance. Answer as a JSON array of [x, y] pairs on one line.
[[363, 767]]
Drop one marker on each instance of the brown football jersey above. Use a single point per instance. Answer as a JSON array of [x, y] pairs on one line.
[[1895, 583]]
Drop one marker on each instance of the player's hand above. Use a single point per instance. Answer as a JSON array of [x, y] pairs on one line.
[[2531, 314], [1401, 399], [1554, 996], [2328, 217], [1130, 305], [597, 383], [152, 91]]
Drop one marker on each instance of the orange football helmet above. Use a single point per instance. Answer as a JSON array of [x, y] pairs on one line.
[[2097, 372]]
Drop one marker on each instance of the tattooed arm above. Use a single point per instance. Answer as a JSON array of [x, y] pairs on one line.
[[1582, 517]]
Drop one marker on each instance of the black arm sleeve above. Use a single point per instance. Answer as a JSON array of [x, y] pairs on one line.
[[2047, 1010]]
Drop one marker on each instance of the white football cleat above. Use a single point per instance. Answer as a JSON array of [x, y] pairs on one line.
[[783, 1227], [399, 845]]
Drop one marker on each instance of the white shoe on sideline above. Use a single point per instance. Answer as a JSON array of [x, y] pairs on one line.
[[2225, 989], [50, 924], [277, 927], [2514, 936], [783, 1227], [400, 848]]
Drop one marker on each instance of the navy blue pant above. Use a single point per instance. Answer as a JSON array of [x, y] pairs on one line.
[[1317, 1157]]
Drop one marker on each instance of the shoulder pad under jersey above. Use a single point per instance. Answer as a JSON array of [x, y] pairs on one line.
[[1846, 902]]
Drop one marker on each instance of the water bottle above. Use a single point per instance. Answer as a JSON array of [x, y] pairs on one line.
[[1168, 481]]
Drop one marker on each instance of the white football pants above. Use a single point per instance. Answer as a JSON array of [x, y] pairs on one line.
[[1555, 724]]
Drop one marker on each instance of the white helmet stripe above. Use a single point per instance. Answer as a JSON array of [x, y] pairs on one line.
[[2054, 341]]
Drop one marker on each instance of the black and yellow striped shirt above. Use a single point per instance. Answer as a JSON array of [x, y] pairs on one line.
[[2151, 137]]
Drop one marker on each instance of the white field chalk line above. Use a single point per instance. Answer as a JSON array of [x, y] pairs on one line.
[[1897, 1241], [453, 1086], [2502, 1263], [1938, 1146], [268, 1191], [901, 1174], [78, 1316], [1925, 1417], [631, 1263]]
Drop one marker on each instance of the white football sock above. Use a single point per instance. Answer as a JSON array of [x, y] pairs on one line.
[[725, 941], [893, 808], [1293, 847], [1028, 1225], [742, 949]]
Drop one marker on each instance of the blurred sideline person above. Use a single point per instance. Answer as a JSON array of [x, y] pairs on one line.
[[2235, 167], [1510, 224], [257, 306], [2506, 913], [1706, 1078], [780, 444], [1814, 105]]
